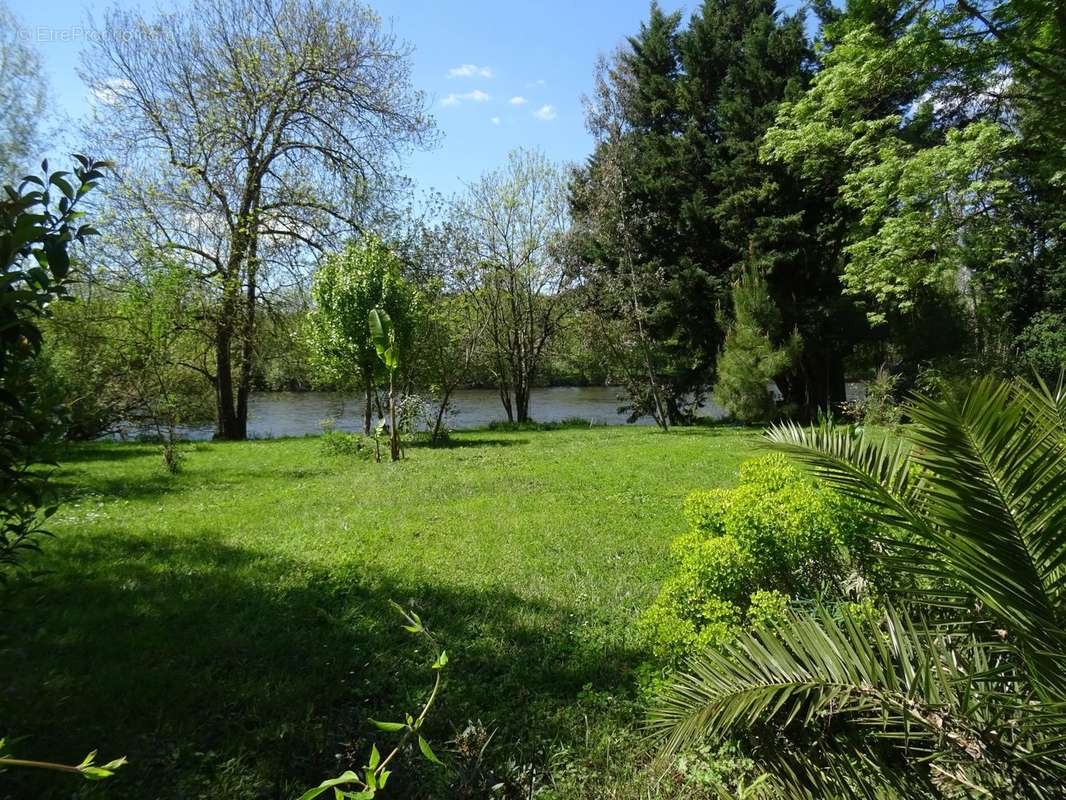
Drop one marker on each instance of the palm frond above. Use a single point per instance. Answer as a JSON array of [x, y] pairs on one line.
[[878, 474], [982, 487], [995, 500], [907, 687]]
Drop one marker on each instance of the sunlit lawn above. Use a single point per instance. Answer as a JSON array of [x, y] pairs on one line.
[[229, 628]]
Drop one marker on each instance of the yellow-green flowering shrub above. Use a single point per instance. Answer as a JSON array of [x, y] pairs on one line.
[[775, 539]]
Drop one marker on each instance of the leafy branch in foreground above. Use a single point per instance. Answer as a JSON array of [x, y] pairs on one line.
[[957, 688], [88, 768], [365, 783], [39, 223]]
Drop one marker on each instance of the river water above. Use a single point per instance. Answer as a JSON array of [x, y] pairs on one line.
[[276, 414]]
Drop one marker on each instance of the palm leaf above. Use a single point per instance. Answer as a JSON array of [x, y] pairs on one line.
[[982, 487], [908, 688]]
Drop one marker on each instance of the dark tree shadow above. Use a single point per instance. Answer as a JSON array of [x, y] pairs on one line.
[[84, 452], [235, 673], [455, 442]]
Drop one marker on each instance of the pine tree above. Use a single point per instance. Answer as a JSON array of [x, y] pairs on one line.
[[750, 360]]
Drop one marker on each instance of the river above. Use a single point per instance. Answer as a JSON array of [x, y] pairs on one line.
[[276, 414]]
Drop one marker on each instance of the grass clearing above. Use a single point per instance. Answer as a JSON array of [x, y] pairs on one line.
[[228, 628]]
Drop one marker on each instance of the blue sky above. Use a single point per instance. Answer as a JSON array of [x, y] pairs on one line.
[[499, 74]]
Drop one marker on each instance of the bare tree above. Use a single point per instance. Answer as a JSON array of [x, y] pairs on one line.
[[613, 219], [250, 135], [512, 272]]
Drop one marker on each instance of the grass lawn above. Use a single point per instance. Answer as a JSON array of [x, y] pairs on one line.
[[229, 630]]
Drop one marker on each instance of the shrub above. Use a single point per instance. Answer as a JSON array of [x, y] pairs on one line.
[[341, 443], [751, 551], [879, 406]]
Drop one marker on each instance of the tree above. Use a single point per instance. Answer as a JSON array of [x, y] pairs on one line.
[[153, 341], [130, 352], [679, 113], [252, 134], [365, 276], [956, 687], [607, 229], [933, 126], [383, 335], [511, 224], [447, 349], [23, 92], [36, 232], [752, 357]]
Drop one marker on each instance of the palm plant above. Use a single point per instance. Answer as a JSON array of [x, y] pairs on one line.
[[958, 687]]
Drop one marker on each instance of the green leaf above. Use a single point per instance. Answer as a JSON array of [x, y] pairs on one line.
[[391, 727], [64, 186], [441, 661], [427, 751], [342, 779], [375, 757]]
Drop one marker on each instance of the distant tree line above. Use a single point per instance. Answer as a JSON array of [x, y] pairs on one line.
[[760, 210]]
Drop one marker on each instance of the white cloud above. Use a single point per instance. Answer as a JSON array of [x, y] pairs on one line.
[[518, 100], [470, 71], [546, 112], [107, 93], [476, 96], [495, 120], [536, 83]]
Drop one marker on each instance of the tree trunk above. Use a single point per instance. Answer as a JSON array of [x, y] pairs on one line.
[[229, 425], [394, 434], [226, 424], [505, 398], [825, 387], [244, 380], [368, 409], [521, 399], [438, 423]]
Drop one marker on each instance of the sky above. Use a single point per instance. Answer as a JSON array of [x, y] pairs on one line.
[[498, 74]]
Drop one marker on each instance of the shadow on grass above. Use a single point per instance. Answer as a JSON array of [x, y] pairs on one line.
[[83, 452], [225, 671], [454, 442]]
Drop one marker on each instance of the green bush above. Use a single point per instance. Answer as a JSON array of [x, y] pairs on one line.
[[342, 443], [776, 539]]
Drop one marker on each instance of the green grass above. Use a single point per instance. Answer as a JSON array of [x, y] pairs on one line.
[[229, 629]]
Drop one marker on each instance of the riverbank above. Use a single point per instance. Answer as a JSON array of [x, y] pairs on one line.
[[228, 628]]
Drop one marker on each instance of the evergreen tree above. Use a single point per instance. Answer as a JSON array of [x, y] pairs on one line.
[[693, 107], [750, 359]]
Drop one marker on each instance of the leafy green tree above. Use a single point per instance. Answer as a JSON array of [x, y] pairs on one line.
[[132, 351], [365, 276], [252, 136], [956, 688], [509, 227], [162, 393], [929, 125], [36, 231], [751, 358]]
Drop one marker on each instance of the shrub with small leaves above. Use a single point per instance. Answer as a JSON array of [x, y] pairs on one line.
[[776, 538]]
